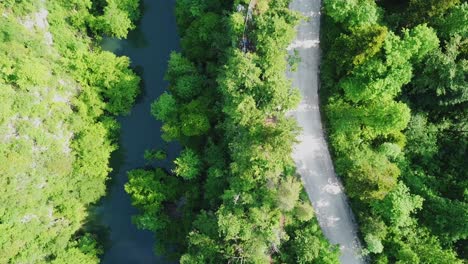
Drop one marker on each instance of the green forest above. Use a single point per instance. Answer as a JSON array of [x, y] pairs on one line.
[[394, 99], [59, 95], [395, 96], [233, 195]]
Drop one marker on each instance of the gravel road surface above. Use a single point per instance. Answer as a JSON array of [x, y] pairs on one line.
[[311, 155]]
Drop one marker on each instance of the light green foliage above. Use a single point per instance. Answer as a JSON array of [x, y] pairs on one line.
[[117, 18], [368, 107], [114, 22], [186, 121], [367, 111], [241, 81], [304, 211], [423, 40], [391, 150], [374, 244], [132, 7], [113, 79], [288, 193], [353, 13], [398, 206], [374, 119], [91, 147], [145, 189], [229, 224], [376, 231], [419, 246], [384, 78], [149, 190], [236, 25], [188, 165], [55, 141]]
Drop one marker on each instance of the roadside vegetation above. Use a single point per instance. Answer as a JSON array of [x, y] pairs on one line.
[[59, 93], [395, 95], [233, 195]]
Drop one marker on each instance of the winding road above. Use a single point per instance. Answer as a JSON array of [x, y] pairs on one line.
[[311, 155]]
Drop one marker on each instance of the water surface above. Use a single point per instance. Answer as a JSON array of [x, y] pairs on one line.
[[148, 47]]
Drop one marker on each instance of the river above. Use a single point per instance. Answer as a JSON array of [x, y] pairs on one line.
[[148, 47]]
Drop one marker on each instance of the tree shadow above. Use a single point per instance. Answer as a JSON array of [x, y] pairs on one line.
[[136, 38], [139, 70]]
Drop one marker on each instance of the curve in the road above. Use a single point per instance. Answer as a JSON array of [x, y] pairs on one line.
[[311, 155]]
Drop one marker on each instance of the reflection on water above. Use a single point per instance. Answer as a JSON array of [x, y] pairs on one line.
[[111, 44], [135, 39]]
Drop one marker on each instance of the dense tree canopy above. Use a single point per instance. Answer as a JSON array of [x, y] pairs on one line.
[[58, 93], [238, 196], [394, 85]]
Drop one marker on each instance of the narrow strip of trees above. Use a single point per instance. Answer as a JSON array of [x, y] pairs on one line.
[[233, 195]]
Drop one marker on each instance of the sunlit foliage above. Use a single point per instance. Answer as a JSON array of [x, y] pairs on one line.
[[394, 80], [57, 93]]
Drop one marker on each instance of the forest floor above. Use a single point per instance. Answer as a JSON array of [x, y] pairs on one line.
[[311, 155]]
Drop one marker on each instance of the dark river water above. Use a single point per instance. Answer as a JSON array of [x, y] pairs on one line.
[[148, 47]]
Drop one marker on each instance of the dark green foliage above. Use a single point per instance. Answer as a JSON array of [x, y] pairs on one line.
[[454, 22], [307, 245], [437, 166], [184, 112], [155, 155], [183, 76], [419, 11], [441, 79], [204, 37]]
